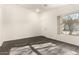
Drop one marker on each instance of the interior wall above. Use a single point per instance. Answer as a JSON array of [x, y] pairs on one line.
[[0, 24], [49, 24], [19, 22]]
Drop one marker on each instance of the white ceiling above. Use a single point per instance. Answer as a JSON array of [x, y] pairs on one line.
[[42, 7]]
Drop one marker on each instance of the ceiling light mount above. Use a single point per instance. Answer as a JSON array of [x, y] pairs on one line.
[[38, 10]]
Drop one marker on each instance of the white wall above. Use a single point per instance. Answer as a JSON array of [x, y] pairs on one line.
[[0, 24], [18, 22], [49, 24]]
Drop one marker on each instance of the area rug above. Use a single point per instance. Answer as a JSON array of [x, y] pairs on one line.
[[43, 49]]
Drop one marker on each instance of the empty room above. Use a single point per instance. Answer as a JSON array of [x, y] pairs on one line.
[[39, 29]]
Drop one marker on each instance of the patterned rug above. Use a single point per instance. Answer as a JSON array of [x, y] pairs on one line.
[[43, 49]]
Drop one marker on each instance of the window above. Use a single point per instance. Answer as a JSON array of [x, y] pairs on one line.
[[69, 24]]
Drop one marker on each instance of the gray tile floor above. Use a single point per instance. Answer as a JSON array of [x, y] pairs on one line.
[[40, 40], [68, 49], [66, 45]]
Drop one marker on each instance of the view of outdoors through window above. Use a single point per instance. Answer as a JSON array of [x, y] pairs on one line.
[[71, 24]]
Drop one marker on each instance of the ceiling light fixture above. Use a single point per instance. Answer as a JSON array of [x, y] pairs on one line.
[[37, 10]]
